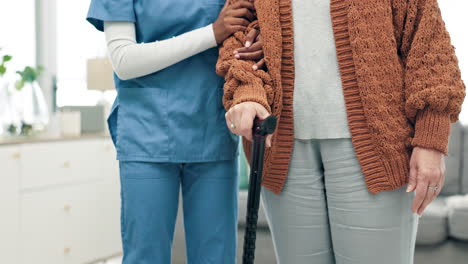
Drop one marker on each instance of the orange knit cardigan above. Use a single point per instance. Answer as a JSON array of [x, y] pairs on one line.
[[400, 78]]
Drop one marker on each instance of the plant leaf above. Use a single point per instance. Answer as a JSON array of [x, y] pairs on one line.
[[30, 74], [7, 58], [2, 69], [19, 85]]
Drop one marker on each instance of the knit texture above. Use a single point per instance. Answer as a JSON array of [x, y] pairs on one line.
[[400, 77]]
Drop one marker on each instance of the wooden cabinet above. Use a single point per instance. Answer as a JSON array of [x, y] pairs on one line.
[[92, 229], [60, 163], [42, 227], [64, 198], [9, 203]]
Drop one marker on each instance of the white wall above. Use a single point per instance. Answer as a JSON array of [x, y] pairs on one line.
[[454, 14]]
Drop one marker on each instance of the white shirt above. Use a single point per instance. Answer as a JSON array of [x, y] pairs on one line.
[[319, 106], [131, 59]]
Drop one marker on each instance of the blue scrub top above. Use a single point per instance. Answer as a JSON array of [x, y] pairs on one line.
[[176, 114]]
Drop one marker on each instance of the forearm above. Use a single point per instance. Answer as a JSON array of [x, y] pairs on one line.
[[132, 60], [434, 90], [243, 84]]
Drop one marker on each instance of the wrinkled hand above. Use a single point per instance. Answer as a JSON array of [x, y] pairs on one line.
[[427, 168], [232, 18], [242, 116], [253, 50]]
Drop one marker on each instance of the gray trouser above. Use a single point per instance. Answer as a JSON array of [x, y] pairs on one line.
[[326, 215]]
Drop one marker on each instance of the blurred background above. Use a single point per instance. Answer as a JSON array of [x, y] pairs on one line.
[[59, 186]]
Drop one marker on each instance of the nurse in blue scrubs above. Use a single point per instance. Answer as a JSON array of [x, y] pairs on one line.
[[168, 125]]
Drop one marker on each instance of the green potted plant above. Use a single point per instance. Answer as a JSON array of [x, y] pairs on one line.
[[8, 118], [34, 112], [3, 69], [28, 75]]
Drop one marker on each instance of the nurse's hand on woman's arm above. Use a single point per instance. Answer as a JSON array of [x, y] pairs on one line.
[[232, 18], [252, 50], [242, 116]]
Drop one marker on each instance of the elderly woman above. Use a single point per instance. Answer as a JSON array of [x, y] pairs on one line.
[[365, 92]]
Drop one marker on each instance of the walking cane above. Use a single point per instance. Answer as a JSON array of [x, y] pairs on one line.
[[260, 130]]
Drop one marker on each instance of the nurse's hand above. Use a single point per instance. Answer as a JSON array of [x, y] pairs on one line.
[[240, 118], [252, 50], [232, 18]]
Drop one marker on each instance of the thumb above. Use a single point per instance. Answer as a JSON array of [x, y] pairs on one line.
[[226, 4], [250, 38], [412, 179]]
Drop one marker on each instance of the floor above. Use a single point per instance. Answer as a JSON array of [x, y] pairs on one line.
[[117, 260], [452, 252], [264, 254]]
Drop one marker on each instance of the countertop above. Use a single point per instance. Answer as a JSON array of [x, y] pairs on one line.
[[48, 138]]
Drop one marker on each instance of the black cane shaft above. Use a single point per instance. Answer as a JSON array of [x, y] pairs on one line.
[[260, 130], [253, 199]]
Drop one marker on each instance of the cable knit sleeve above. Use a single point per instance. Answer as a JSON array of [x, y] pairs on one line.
[[434, 90], [243, 84]]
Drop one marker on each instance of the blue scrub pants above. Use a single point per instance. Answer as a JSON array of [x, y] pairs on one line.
[[150, 196]]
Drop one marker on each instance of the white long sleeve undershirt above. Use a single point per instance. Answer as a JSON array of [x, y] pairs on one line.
[[131, 59]]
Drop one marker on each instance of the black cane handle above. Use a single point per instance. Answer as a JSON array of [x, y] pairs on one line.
[[264, 127]]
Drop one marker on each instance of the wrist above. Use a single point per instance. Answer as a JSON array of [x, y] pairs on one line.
[[428, 150], [432, 130], [217, 32], [209, 36]]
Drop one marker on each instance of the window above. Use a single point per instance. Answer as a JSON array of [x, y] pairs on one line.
[[453, 12], [77, 41], [18, 35]]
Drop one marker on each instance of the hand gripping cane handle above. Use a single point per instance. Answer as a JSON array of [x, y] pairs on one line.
[[261, 129], [264, 127]]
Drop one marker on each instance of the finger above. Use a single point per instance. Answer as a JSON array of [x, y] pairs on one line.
[[441, 184], [250, 38], [412, 180], [259, 65], [268, 140], [254, 47], [243, 4], [236, 28], [228, 121], [226, 4], [236, 118], [262, 113], [430, 196], [243, 12], [436, 180], [237, 21], [247, 124], [257, 55], [421, 191], [442, 177]]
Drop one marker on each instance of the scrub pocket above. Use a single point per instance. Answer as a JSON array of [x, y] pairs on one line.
[[143, 124], [112, 123]]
